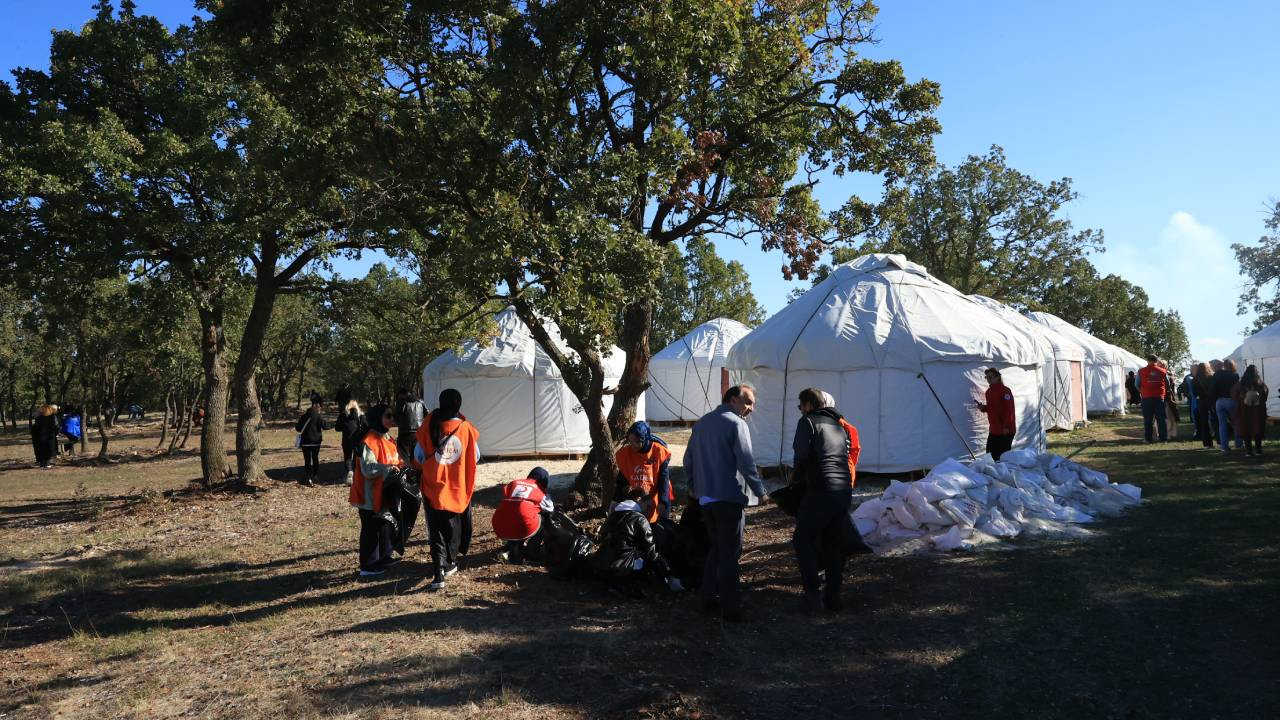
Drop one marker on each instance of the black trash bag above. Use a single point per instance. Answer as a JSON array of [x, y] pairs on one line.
[[566, 546], [852, 539], [788, 498], [692, 545]]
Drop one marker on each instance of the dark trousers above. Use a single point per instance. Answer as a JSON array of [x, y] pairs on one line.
[[1203, 430], [44, 450], [1153, 409], [998, 445], [348, 451], [375, 539], [311, 460], [819, 538], [464, 531], [720, 578], [404, 444], [444, 531]]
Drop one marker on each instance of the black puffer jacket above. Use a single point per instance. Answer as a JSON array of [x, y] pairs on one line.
[[627, 537], [821, 450]]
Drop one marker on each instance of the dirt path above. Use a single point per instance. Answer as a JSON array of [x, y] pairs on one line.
[[123, 595]]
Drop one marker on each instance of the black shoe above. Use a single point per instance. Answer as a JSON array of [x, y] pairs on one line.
[[832, 603], [811, 602]]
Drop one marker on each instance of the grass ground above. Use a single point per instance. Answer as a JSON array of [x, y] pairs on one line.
[[125, 594]]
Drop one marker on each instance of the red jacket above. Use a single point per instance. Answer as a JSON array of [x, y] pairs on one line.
[[1153, 381], [1000, 414], [518, 515]]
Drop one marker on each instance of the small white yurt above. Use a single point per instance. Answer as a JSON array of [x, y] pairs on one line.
[[1263, 349], [1062, 406], [514, 393], [684, 377], [1105, 365], [902, 353]]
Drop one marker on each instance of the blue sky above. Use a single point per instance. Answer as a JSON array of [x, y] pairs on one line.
[[1165, 115]]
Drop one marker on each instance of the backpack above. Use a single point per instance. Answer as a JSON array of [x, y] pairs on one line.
[[1253, 398]]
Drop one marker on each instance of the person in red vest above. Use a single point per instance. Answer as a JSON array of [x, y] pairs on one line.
[[644, 463], [376, 456], [519, 517], [448, 450], [855, 445], [1153, 385], [1001, 420]]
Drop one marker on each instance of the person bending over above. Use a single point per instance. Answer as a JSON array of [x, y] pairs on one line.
[[627, 552], [521, 515]]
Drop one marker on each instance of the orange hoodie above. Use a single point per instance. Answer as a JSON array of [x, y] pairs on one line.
[[449, 472]]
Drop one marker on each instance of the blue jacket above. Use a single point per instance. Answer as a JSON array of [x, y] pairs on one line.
[[71, 426], [718, 461]]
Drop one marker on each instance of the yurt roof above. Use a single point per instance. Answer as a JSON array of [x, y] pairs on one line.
[[512, 352], [709, 342], [1063, 347], [882, 311], [1095, 350]]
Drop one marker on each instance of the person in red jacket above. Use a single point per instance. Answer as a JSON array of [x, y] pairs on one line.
[[1153, 384], [1001, 419], [519, 517]]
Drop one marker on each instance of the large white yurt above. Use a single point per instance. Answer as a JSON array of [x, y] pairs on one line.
[[1105, 365], [514, 393], [902, 353], [1263, 349], [684, 377], [1062, 405]]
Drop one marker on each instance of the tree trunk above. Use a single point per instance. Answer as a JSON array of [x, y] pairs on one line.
[[302, 374], [249, 423], [213, 453], [585, 378], [84, 421], [164, 426], [192, 407], [102, 434], [634, 340]]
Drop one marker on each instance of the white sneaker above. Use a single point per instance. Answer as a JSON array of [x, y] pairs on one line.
[[371, 573], [451, 571], [437, 584], [350, 477]]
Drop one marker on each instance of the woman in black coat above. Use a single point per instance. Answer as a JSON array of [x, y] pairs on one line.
[[351, 423], [44, 435], [311, 427]]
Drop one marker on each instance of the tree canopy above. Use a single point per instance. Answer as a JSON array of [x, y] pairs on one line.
[[1261, 265]]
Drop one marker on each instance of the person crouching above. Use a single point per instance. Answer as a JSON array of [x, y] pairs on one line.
[[627, 549], [521, 516], [376, 457]]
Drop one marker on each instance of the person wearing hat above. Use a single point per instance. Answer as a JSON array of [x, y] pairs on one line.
[[520, 516], [377, 457], [448, 450], [1001, 416], [644, 463]]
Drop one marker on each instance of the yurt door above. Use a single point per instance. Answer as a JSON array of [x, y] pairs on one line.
[[1077, 392]]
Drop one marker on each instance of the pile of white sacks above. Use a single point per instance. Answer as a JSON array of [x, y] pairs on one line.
[[961, 506]]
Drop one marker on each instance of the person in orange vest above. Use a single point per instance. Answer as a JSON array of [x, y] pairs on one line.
[[519, 517], [1000, 412], [644, 463], [375, 459], [448, 450]]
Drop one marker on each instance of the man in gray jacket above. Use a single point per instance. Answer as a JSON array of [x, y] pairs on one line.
[[721, 472]]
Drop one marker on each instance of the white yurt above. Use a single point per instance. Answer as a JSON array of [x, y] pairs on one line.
[[1105, 365], [1062, 406], [684, 377], [902, 353], [1263, 349], [514, 394]]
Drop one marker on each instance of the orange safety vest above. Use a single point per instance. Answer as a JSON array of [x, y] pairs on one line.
[[449, 472], [367, 492], [641, 469], [855, 450]]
